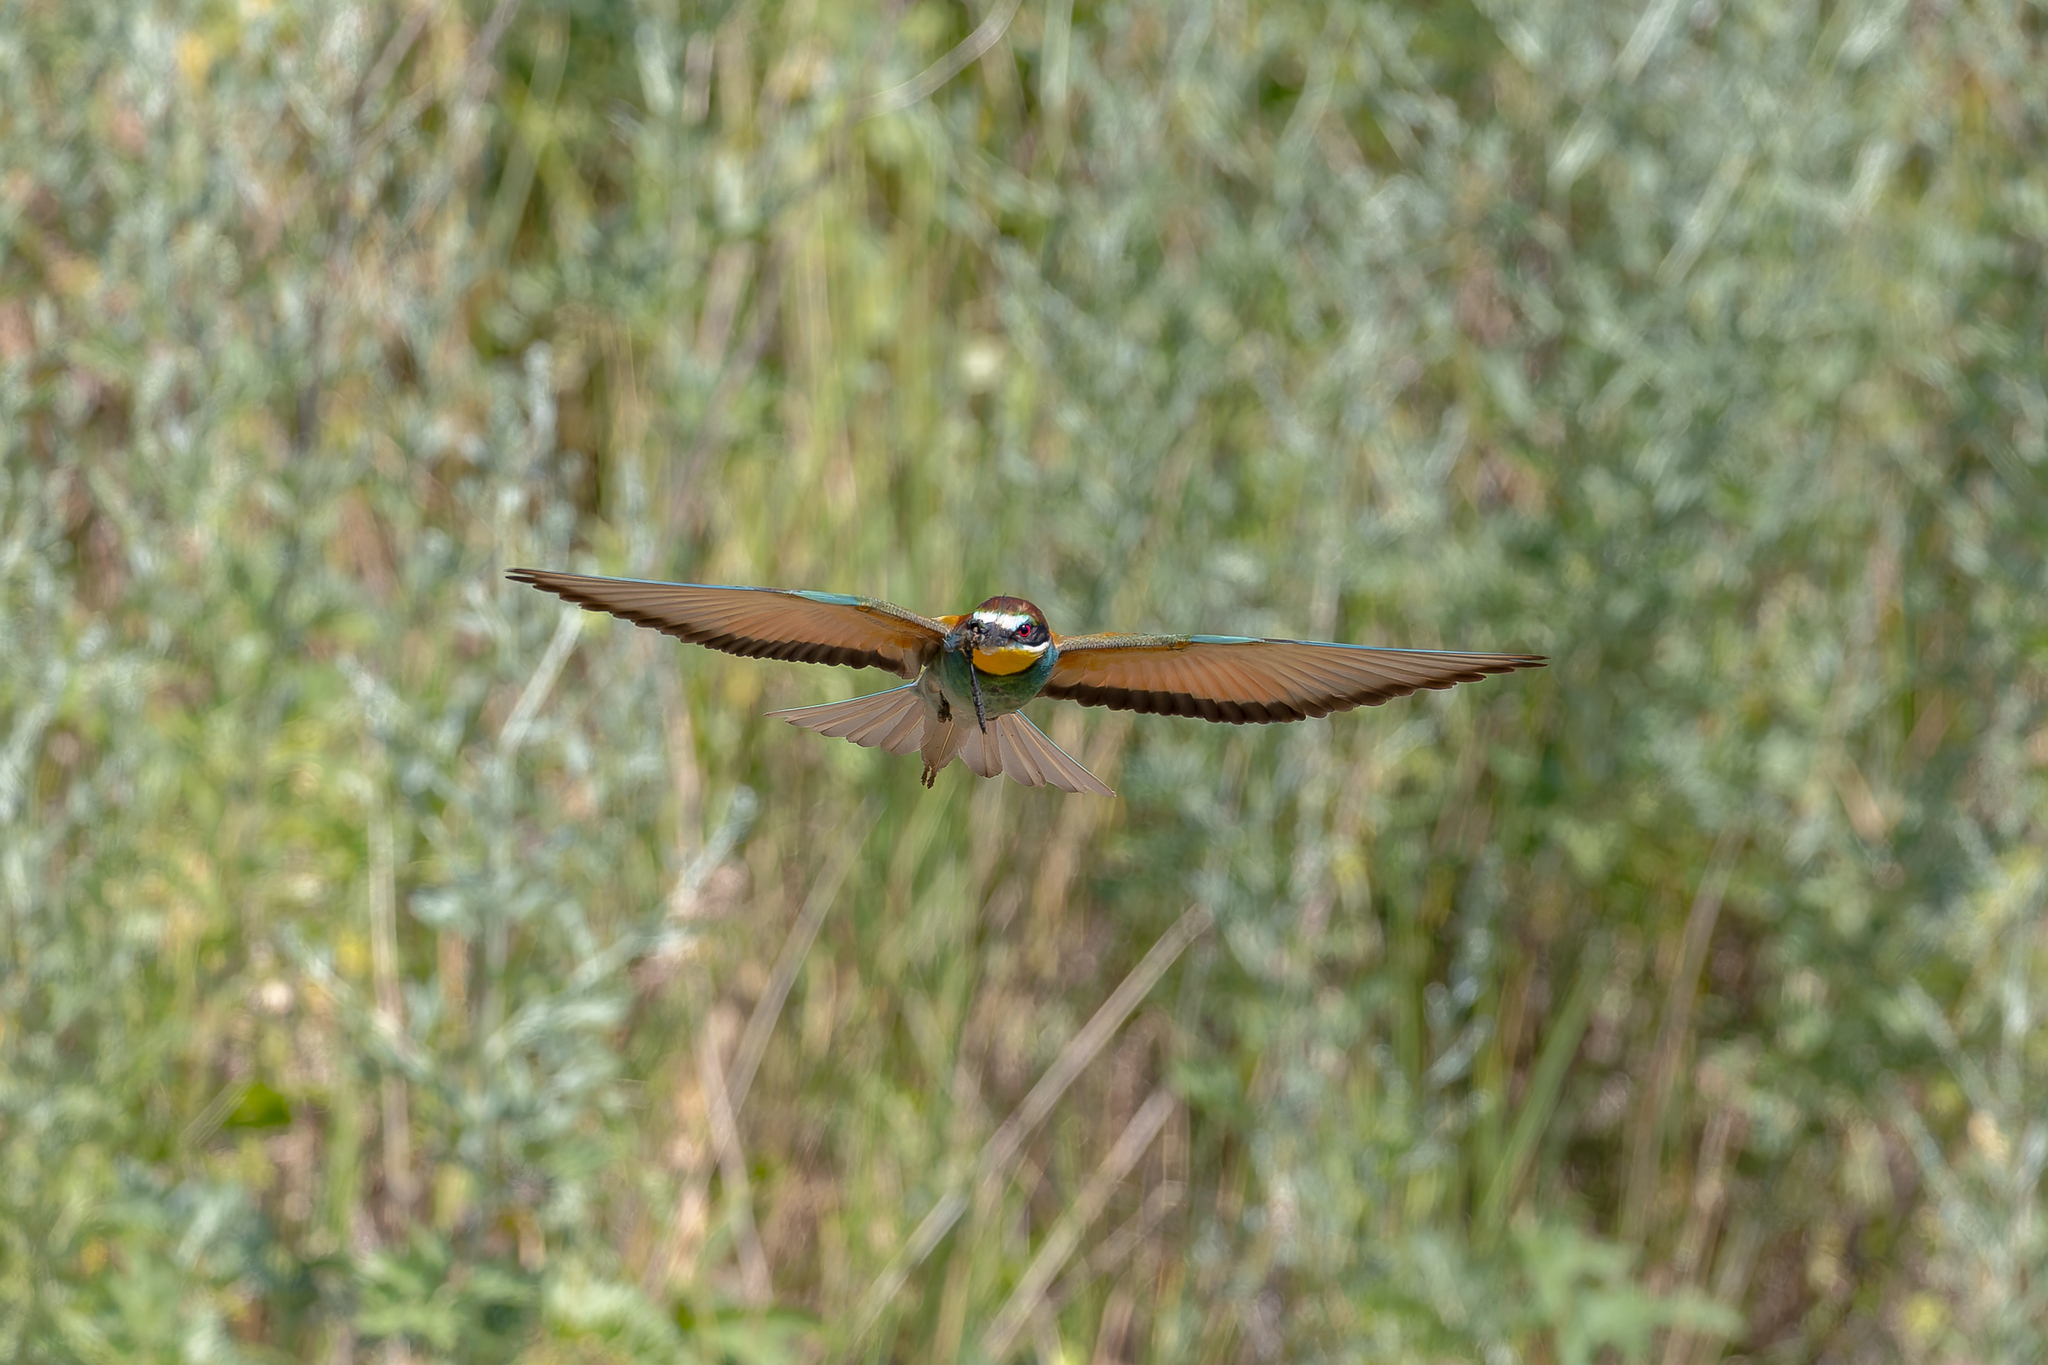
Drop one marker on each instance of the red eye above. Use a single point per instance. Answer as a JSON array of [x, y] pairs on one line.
[[1024, 631]]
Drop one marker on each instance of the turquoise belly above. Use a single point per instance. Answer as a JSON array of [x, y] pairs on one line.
[[1001, 693]]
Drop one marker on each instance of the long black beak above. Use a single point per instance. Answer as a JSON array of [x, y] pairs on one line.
[[974, 684], [967, 637]]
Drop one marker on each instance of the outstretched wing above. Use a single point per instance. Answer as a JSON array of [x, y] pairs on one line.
[[1239, 679], [760, 623]]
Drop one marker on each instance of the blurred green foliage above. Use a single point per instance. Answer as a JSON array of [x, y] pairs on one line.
[[397, 966]]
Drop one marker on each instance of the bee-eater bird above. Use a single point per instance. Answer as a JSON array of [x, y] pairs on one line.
[[970, 674]]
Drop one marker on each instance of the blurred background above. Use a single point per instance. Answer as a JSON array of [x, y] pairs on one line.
[[399, 966]]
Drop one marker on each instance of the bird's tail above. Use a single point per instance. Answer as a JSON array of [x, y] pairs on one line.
[[1020, 751], [892, 720], [897, 720]]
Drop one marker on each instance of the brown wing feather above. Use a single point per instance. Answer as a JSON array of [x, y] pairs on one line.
[[760, 623], [1229, 678]]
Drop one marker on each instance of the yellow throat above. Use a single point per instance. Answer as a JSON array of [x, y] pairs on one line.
[[1003, 662]]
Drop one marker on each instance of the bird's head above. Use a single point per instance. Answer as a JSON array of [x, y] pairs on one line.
[[1007, 635]]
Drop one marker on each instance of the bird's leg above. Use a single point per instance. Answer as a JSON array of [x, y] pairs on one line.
[[974, 685]]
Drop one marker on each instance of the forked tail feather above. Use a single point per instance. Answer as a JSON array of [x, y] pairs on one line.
[[1019, 750]]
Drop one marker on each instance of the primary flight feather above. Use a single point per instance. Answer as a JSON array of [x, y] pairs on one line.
[[971, 673]]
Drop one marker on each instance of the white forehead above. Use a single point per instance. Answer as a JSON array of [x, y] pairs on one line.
[[1008, 620]]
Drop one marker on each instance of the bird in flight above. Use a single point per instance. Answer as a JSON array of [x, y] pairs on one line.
[[970, 674]]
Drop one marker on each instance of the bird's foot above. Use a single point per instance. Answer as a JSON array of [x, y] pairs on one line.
[[931, 775]]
